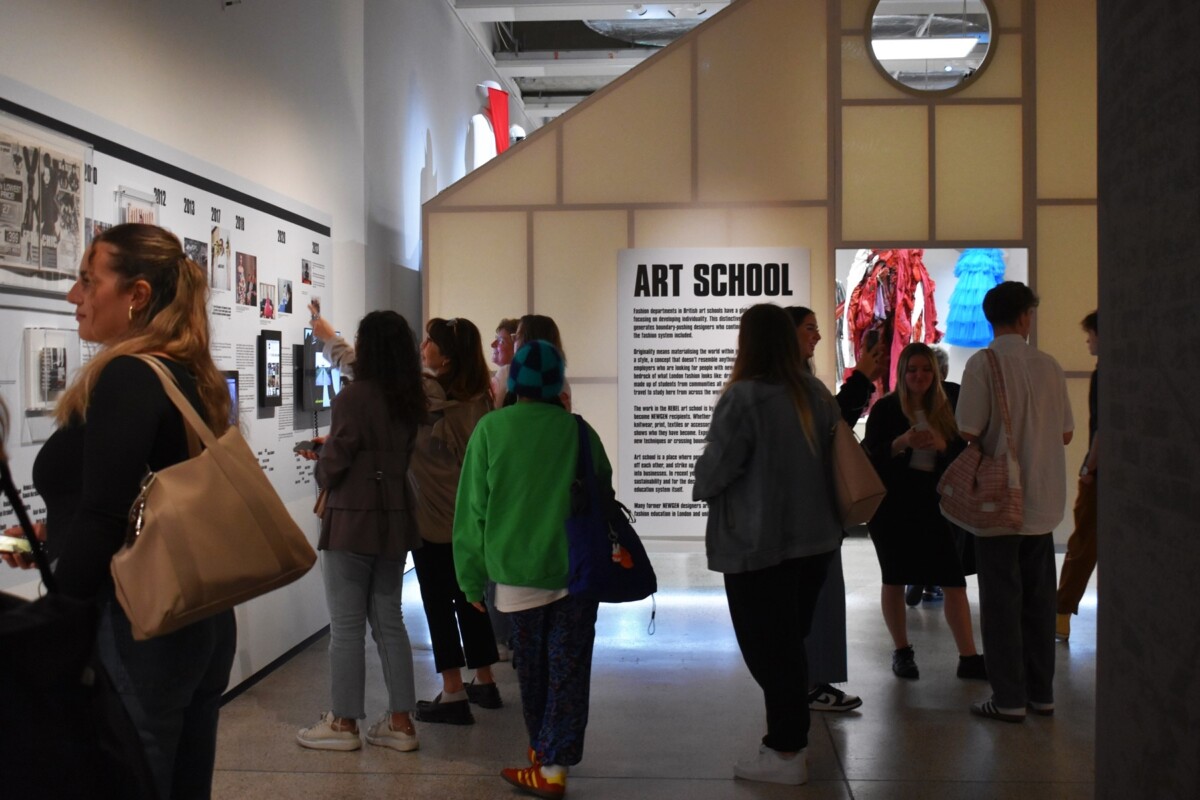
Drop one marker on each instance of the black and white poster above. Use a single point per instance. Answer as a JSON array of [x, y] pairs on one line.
[[41, 210], [677, 320]]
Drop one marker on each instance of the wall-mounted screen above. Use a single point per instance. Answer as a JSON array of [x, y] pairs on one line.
[[232, 384], [270, 368], [321, 380]]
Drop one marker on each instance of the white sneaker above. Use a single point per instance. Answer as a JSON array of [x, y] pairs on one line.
[[322, 736], [770, 766], [382, 734]]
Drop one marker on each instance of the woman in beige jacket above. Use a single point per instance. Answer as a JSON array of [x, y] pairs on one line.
[[458, 387]]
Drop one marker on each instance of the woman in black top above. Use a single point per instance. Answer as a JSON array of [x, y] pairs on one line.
[[911, 438], [826, 642], [138, 293]]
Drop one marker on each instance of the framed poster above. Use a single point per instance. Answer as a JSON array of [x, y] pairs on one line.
[[270, 368], [41, 209]]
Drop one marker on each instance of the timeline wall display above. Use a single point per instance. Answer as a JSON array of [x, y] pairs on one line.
[[678, 313], [60, 187]]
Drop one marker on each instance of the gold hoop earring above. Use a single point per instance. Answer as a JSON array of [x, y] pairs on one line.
[[131, 313]]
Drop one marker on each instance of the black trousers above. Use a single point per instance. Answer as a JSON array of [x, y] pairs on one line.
[[1017, 599], [772, 611], [449, 613]]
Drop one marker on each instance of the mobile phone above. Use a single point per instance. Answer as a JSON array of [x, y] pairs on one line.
[[871, 339], [306, 445], [14, 544]]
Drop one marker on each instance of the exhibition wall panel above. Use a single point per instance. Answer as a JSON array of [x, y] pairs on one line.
[[885, 173], [597, 403], [860, 79], [853, 13], [270, 99], [636, 146], [978, 173], [572, 267], [1067, 280], [479, 267], [1009, 12], [1004, 76], [1066, 99], [529, 176], [764, 146], [788, 227], [699, 227]]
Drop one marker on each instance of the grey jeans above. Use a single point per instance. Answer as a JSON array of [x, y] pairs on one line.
[[359, 588]]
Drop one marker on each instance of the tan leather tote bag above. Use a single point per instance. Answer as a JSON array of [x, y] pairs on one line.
[[205, 534], [857, 489]]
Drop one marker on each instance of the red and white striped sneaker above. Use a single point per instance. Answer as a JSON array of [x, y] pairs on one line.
[[532, 780]]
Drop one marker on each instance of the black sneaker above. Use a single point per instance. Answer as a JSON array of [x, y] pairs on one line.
[[932, 594], [904, 665], [455, 712], [912, 595], [972, 668], [484, 695], [830, 698]]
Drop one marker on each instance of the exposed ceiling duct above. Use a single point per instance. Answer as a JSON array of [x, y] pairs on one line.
[[644, 32]]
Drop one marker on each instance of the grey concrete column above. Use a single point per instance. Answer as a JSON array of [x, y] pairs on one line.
[[1148, 634]]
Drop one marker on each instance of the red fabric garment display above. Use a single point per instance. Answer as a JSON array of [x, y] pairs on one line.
[[498, 113], [885, 301]]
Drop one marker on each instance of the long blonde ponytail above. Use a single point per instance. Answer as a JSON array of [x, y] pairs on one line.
[[174, 323]]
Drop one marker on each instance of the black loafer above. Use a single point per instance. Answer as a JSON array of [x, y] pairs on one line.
[[455, 712], [484, 695]]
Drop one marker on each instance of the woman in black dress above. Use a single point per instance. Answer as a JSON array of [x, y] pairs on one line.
[[912, 438]]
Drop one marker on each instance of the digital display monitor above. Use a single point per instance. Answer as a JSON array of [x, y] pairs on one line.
[[270, 368], [231, 383], [321, 380]]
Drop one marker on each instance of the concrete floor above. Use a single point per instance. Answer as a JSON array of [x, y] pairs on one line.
[[671, 711]]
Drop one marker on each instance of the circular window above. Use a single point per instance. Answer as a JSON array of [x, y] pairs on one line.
[[931, 45]]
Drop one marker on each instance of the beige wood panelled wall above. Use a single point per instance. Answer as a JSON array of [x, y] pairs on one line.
[[769, 126]]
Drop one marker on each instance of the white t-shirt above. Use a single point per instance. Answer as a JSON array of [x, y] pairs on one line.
[[1041, 413], [522, 598]]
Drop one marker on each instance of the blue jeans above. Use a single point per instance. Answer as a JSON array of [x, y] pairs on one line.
[[171, 687], [360, 588]]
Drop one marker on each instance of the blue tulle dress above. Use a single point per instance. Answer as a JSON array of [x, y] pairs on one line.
[[978, 270]]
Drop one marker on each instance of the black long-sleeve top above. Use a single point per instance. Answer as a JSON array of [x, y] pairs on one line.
[[853, 397], [89, 473]]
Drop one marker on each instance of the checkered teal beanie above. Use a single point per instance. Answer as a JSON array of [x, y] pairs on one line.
[[536, 371]]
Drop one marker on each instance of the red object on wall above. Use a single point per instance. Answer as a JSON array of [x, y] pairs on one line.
[[498, 111]]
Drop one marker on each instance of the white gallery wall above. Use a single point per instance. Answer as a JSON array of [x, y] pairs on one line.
[[422, 66], [350, 112], [269, 91]]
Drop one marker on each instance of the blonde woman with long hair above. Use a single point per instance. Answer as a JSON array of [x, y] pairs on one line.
[[138, 293], [912, 438], [771, 525]]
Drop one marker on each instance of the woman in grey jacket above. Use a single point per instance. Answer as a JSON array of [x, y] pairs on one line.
[[772, 529]]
